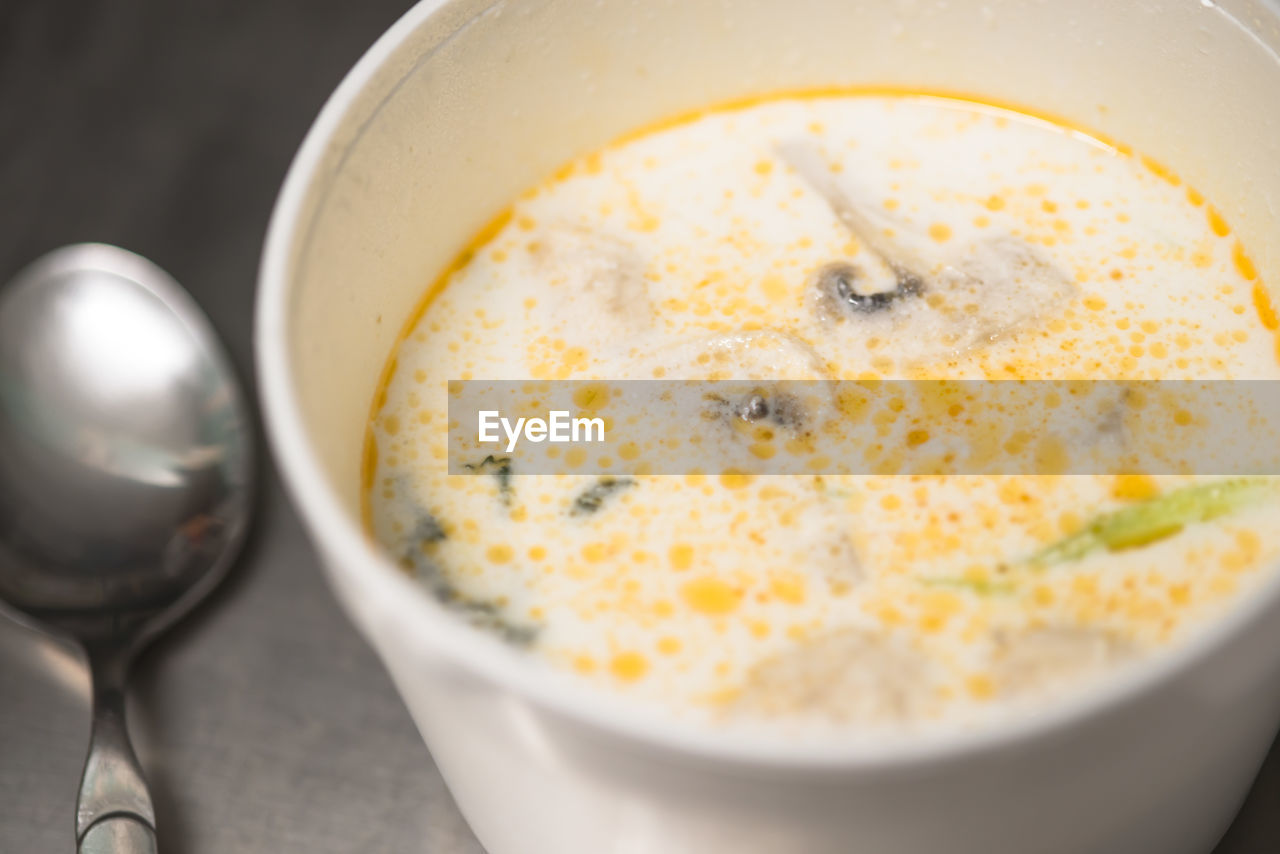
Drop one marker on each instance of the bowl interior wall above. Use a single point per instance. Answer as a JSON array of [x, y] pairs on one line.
[[483, 100]]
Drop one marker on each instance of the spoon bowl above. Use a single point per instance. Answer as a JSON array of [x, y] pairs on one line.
[[126, 466]]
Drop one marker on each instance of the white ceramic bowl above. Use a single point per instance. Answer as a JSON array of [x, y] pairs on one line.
[[464, 104]]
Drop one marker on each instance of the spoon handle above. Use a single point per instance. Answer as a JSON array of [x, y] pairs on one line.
[[114, 813], [119, 834]]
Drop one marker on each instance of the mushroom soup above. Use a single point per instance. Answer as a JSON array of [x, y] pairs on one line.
[[835, 236]]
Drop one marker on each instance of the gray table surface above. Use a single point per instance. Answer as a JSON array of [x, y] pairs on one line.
[[265, 723]]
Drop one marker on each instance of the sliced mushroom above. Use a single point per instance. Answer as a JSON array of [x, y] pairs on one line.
[[847, 677], [826, 547], [994, 289], [837, 291], [1092, 421], [770, 357], [929, 305], [595, 275], [1042, 661], [750, 411]]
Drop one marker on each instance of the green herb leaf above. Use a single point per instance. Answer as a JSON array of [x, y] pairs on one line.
[[1156, 518], [500, 468], [593, 497], [427, 530], [982, 588], [484, 614]]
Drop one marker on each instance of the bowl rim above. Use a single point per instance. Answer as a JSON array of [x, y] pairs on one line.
[[435, 632]]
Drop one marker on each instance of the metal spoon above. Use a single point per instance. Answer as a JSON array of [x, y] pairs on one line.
[[125, 485]]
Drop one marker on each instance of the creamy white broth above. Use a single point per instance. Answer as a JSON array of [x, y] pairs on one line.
[[696, 251]]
